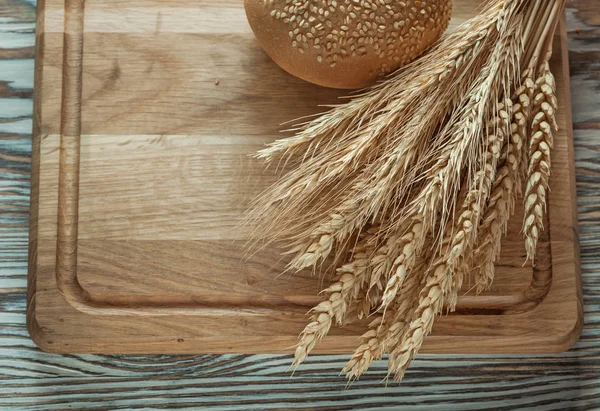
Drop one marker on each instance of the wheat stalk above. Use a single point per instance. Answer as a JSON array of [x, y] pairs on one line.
[[418, 178], [303, 188], [445, 280]]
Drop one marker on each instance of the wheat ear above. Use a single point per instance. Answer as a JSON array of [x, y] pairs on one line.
[[543, 123], [492, 228], [334, 307], [445, 282], [521, 119], [441, 286], [323, 316], [403, 264], [320, 243], [439, 283], [507, 186], [500, 204], [477, 198], [431, 302], [387, 328], [382, 263]]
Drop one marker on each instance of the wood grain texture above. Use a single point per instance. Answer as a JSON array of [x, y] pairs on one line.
[[34, 380], [141, 258]]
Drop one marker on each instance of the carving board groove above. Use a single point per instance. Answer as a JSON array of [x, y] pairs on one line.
[[140, 172]]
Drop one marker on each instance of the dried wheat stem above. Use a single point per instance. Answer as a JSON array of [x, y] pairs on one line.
[[543, 43], [542, 125], [534, 29], [531, 20]]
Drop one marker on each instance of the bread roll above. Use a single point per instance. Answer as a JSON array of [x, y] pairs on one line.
[[346, 43]]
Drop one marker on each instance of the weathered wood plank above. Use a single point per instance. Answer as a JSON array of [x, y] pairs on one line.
[[30, 379], [17, 24]]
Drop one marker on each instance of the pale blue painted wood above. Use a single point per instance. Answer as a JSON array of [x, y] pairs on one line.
[[33, 380]]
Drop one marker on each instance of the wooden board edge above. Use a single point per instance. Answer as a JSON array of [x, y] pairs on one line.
[[575, 334], [70, 119], [33, 327]]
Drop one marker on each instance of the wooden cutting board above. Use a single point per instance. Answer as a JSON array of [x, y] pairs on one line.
[[145, 113]]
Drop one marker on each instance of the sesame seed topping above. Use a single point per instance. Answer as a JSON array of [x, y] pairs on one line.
[[379, 27]]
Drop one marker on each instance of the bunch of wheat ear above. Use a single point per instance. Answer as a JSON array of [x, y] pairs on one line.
[[407, 188]]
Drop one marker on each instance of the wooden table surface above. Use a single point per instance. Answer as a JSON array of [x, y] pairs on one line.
[[31, 379]]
